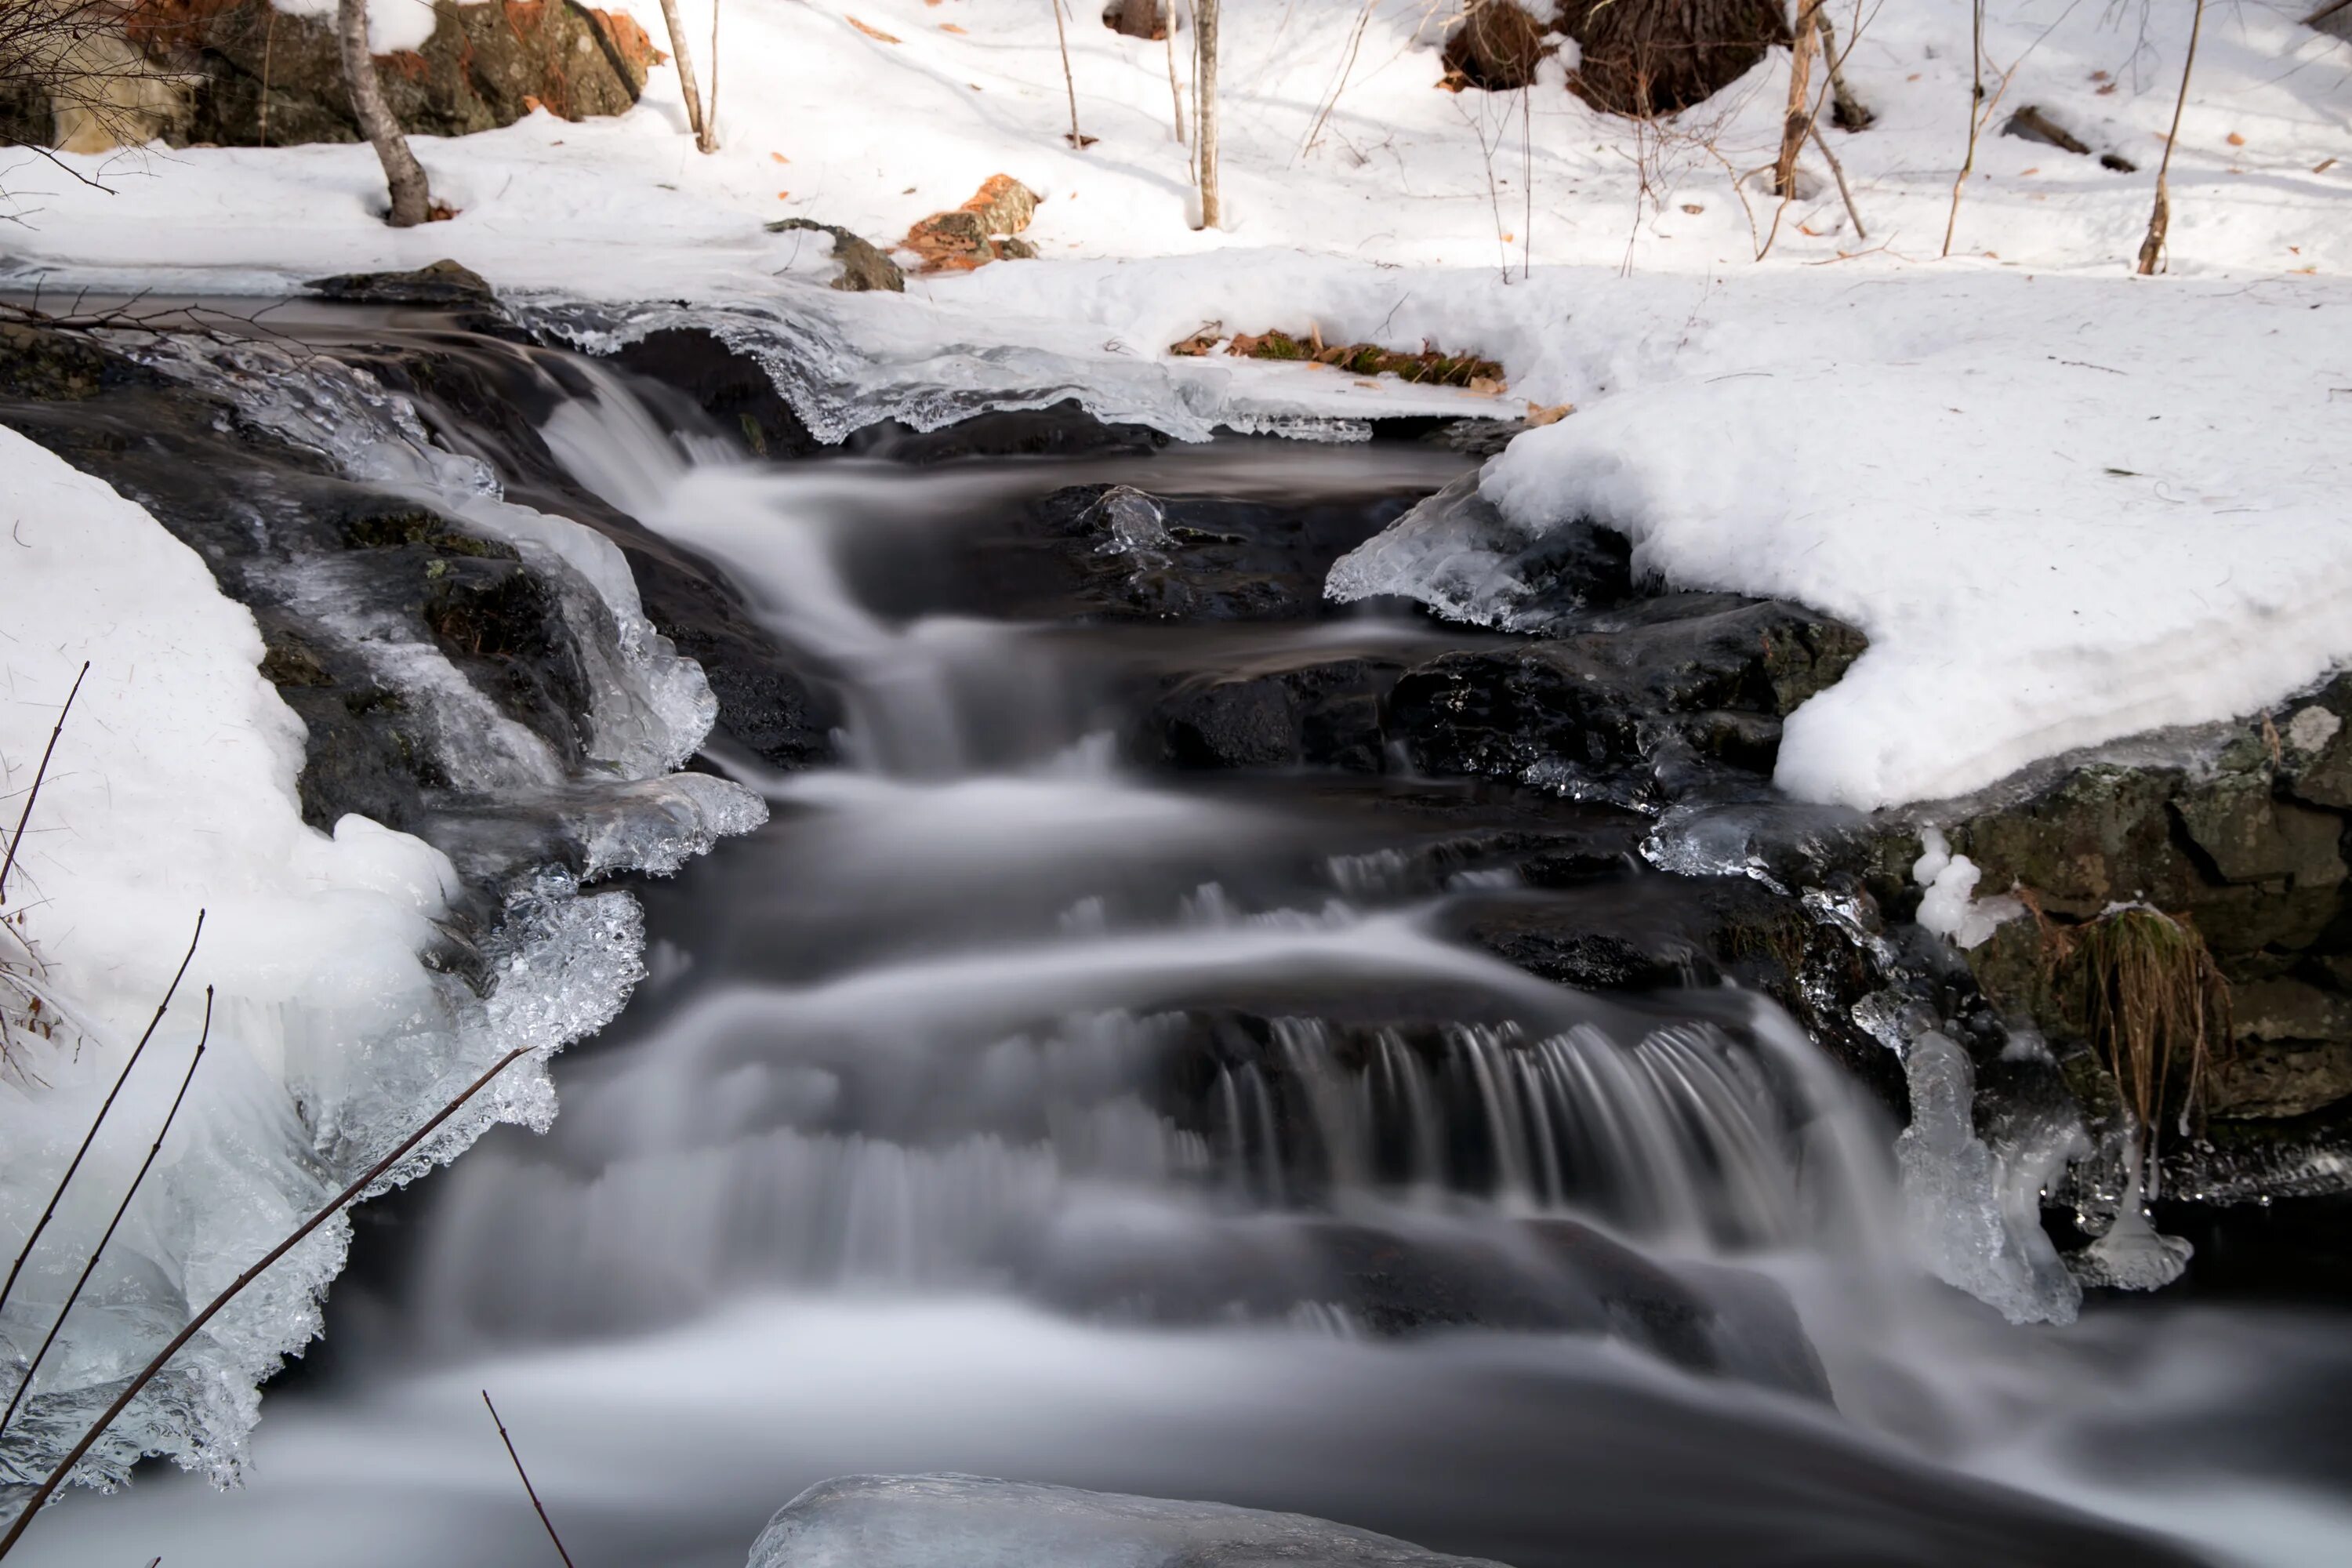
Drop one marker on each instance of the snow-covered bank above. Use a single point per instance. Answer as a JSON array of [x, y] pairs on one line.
[[173, 790]]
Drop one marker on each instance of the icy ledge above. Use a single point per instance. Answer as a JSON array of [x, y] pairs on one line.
[[972, 1522], [173, 790]]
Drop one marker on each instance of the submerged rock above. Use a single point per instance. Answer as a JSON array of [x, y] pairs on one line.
[[974, 1522]]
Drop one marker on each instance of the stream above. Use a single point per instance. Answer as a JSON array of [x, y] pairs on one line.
[[1024, 1101]]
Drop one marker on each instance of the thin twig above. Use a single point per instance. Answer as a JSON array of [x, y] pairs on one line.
[[1844, 190], [1175, 94], [148, 1374], [709, 143], [1976, 118], [90, 1266], [529, 1489], [10, 863], [91, 1136]]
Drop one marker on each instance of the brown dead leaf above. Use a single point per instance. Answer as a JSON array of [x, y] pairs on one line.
[[1810, 232], [870, 32], [1693, 208], [1538, 416], [1485, 386], [2235, 140], [1913, 77], [2322, 167], [784, 195], [2106, 88], [780, 158], [2035, 170], [2098, 76], [1510, 239], [1361, 382], [1203, 339], [947, 27]]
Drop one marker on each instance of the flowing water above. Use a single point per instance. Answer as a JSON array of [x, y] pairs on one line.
[[1005, 1108]]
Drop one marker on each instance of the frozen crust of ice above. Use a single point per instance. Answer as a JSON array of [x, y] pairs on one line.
[[972, 1522]]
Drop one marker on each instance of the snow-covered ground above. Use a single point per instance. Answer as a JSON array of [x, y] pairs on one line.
[[2067, 504]]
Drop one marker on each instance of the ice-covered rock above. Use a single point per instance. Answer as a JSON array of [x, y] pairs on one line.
[[972, 1522]]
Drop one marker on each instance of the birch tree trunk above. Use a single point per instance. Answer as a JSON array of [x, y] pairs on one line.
[[412, 197], [687, 85], [1204, 47]]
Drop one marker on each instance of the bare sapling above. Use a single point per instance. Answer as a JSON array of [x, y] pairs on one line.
[[529, 1490], [1175, 94], [1078, 139], [412, 197], [707, 141], [1204, 118], [1976, 116], [148, 1374], [40, 772], [1799, 121], [2159, 220], [686, 86], [90, 1265], [74, 1165]]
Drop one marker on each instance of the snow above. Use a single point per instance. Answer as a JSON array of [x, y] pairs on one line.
[[173, 790], [2066, 505]]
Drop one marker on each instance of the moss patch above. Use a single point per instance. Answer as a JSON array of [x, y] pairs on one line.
[[1431, 366]]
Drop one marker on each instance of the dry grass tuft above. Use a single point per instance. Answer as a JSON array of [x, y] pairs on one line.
[[2144, 988]]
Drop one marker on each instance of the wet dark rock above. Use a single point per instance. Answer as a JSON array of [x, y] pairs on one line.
[[1063, 429], [864, 267], [501, 625], [479, 398], [48, 365], [730, 387], [1321, 715], [1204, 559], [1593, 712], [438, 283]]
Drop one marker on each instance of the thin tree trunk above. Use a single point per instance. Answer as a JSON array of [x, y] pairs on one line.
[[1204, 67], [2159, 221], [1078, 139], [412, 197], [1848, 111], [1975, 117], [687, 85], [709, 139], [1175, 94], [1800, 118]]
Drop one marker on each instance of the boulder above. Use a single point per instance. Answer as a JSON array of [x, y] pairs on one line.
[[1496, 48], [973, 234], [258, 77], [1137, 18], [1645, 58]]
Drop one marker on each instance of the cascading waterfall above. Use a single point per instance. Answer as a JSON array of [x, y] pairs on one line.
[[998, 1107]]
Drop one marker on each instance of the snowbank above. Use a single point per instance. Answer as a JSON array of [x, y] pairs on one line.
[[173, 790]]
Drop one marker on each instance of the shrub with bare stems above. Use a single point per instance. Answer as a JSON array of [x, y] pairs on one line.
[[74, 63]]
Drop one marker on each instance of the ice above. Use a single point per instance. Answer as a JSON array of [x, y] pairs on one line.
[[847, 360], [330, 1038], [1949, 908], [2133, 1255], [1974, 1216], [975, 1521]]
